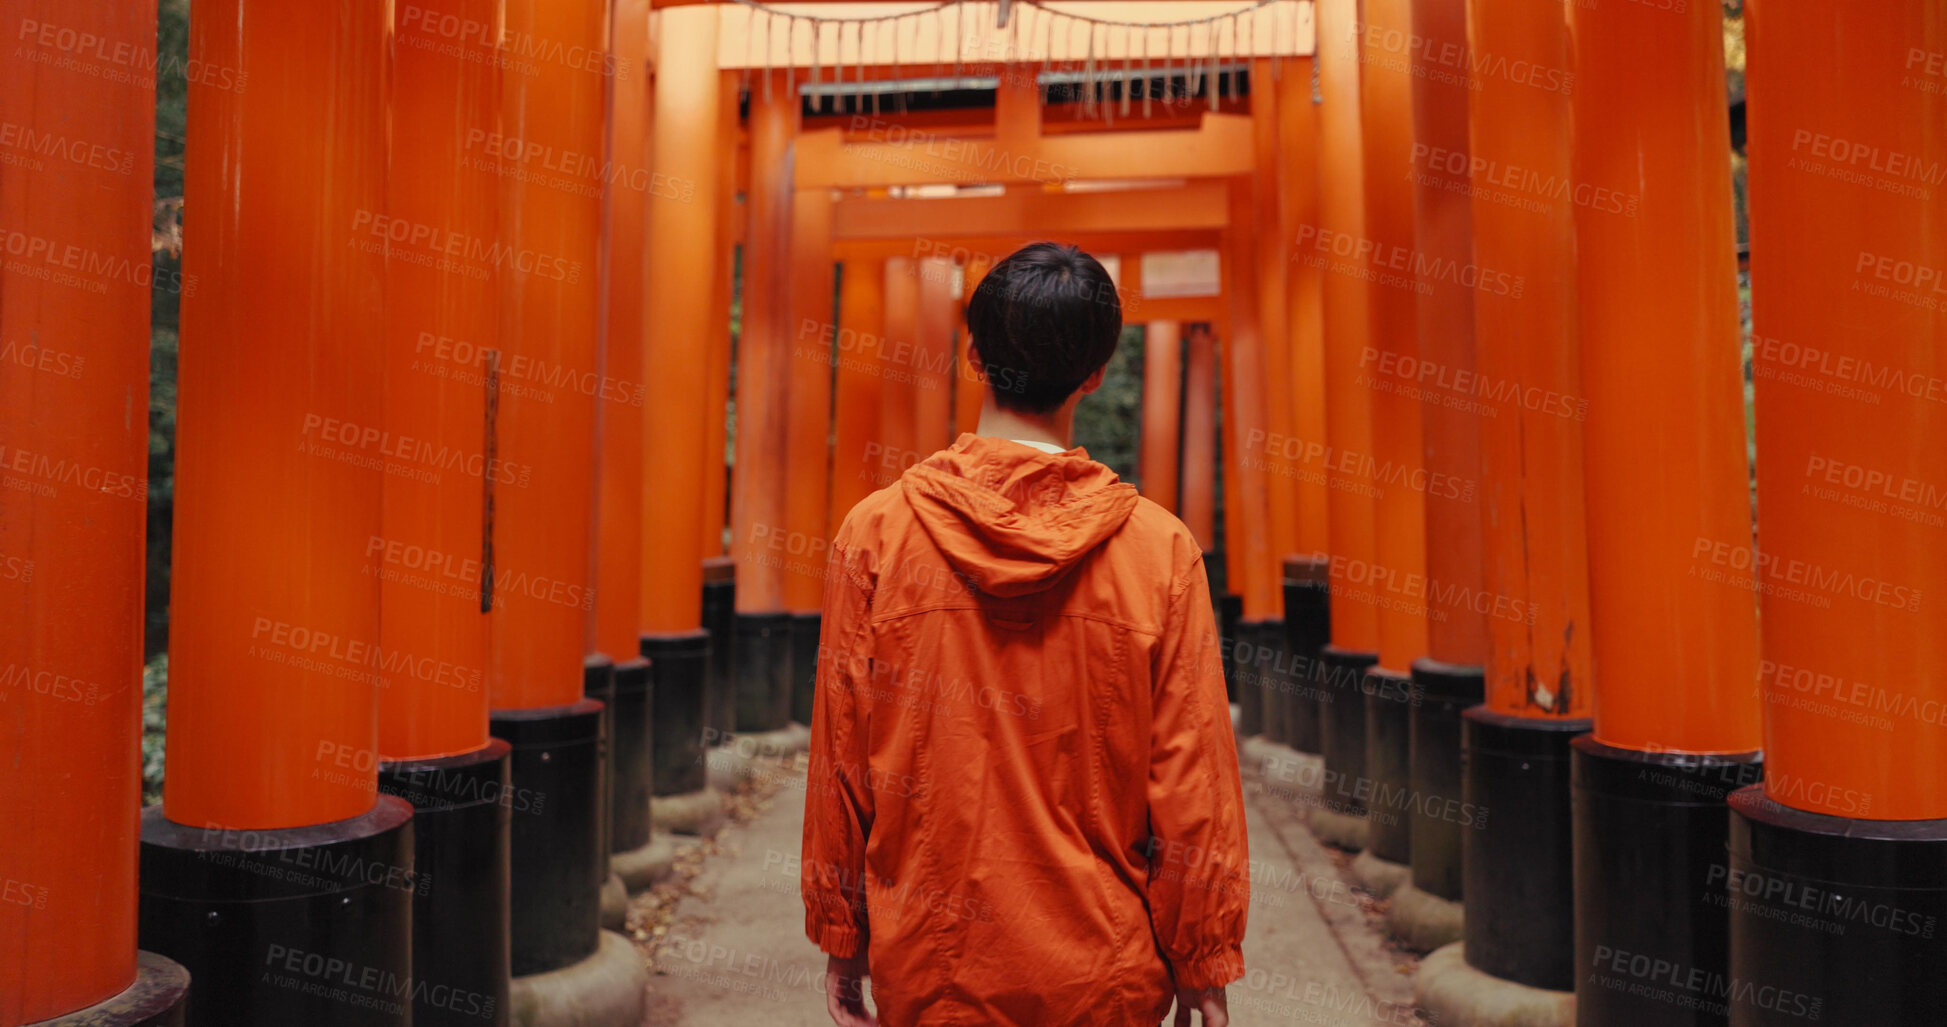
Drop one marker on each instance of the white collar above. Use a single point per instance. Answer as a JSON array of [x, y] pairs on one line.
[[1045, 447]]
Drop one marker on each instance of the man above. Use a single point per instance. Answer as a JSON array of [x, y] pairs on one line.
[[1024, 806]]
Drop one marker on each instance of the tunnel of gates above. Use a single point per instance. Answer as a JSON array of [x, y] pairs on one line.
[[472, 573]]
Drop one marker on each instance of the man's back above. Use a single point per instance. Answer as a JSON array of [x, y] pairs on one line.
[[1024, 787]]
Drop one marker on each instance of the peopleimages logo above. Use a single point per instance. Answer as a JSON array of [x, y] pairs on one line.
[[116, 61], [520, 367], [444, 250], [25, 139]]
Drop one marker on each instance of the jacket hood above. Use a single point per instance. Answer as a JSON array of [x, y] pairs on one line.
[[1011, 518]]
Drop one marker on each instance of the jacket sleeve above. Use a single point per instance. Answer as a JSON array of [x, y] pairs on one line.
[[838, 803], [1199, 885]]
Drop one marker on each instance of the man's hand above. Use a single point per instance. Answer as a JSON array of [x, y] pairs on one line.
[[845, 991], [1211, 1002]]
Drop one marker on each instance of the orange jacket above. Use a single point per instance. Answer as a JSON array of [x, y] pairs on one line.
[[1023, 788]]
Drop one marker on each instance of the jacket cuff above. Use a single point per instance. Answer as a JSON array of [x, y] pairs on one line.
[[1211, 971], [842, 940]]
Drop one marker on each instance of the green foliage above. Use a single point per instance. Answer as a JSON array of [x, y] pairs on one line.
[[155, 701], [1108, 420]]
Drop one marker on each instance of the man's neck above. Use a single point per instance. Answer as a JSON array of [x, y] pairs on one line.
[[1054, 428]]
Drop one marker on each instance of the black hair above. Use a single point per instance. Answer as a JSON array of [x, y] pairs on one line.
[[1042, 321]]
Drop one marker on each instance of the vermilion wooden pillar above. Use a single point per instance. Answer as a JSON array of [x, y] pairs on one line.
[[1539, 682], [1676, 721], [651, 742], [969, 387], [898, 430], [807, 502], [444, 372], [1252, 573], [719, 570], [1399, 509], [619, 517], [276, 658], [692, 131], [1270, 658], [71, 558], [723, 267], [860, 344], [1849, 351], [1298, 409], [1271, 256], [1449, 680], [544, 511], [1199, 500], [757, 504], [1343, 454], [1162, 412], [932, 361], [1302, 392]]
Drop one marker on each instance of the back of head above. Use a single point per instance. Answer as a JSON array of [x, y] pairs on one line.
[[1042, 322]]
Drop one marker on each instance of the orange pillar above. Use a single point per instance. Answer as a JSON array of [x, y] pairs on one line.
[[1244, 417], [74, 382], [543, 498], [1344, 457], [443, 360], [1248, 541], [623, 391], [1300, 409], [719, 603], [681, 337], [723, 270], [1268, 187], [685, 364], [1162, 412], [544, 515], [284, 437], [757, 504], [808, 453], [1302, 392], [1449, 680], [1539, 684], [898, 446], [276, 658], [1664, 458], [859, 341], [1199, 500], [1849, 356], [969, 387], [932, 361], [1399, 509]]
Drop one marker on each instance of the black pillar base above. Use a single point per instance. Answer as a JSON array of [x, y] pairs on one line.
[[1307, 629], [462, 809], [804, 663], [720, 621], [1835, 918], [763, 671], [1230, 610], [558, 861], [1342, 677], [1439, 816], [1246, 643], [1281, 675], [1519, 865], [631, 756], [158, 998], [1389, 698], [598, 683], [679, 666], [1650, 833], [309, 925]]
